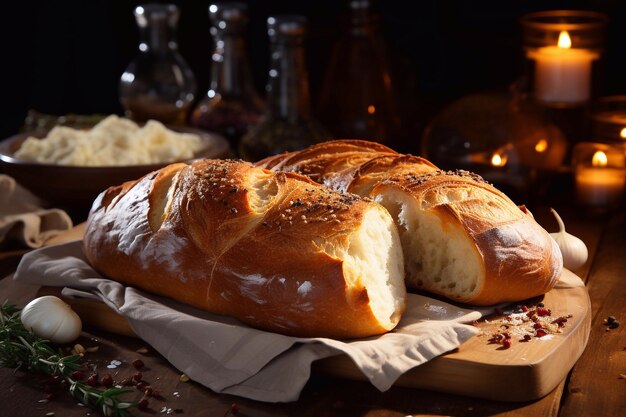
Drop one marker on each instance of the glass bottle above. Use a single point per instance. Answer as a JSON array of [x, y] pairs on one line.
[[158, 84], [357, 98], [288, 124], [231, 105]]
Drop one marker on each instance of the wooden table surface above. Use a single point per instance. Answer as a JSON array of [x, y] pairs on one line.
[[596, 385]]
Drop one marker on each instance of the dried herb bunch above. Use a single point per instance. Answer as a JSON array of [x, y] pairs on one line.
[[22, 350]]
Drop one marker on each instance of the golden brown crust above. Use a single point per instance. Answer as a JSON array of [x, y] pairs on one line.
[[207, 235], [519, 258], [330, 163]]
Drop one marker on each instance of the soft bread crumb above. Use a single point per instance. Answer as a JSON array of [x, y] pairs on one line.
[[374, 260], [438, 258]]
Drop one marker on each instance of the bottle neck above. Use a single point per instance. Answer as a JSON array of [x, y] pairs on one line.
[[230, 69], [364, 22], [158, 37], [288, 87]]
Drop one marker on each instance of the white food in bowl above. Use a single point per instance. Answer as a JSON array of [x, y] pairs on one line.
[[115, 141]]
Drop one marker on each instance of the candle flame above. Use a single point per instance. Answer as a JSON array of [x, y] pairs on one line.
[[498, 160], [599, 159], [564, 40], [541, 146], [622, 134], [371, 109]]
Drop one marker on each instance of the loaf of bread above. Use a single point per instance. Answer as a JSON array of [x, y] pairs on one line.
[[275, 250], [462, 238]]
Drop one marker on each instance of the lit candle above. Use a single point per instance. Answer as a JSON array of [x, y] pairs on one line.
[[541, 146], [499, 160], [599, 185], [562, 73]]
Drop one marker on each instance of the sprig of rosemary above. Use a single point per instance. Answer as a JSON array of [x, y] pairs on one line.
[[21, 349]]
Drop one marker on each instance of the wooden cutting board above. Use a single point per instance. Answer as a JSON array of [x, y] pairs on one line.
[[526, 371]]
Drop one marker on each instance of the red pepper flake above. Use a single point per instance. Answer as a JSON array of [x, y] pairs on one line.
[[537, 326], [526, 338], [540, 333], [506, 343], [234, 408], [524, 309], [560, 321], [137, 376], [143, 404], [78, 375], [541, 311], [92, 380], [107, 380], [138, 363]]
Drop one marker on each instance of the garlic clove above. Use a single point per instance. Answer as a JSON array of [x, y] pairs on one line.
[[51, 318], [573, 249]]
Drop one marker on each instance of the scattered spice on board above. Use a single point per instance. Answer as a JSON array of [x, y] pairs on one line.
[[525, 323], [21, 349], [611, 322]]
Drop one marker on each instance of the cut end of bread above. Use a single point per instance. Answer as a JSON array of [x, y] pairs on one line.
[[374, 260], [438, 257]]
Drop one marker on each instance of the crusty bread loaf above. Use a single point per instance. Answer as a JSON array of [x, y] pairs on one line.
[[275, 250], [462, 238]]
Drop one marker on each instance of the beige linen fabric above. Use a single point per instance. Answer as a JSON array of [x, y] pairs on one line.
[[24, 220], [230, 357]]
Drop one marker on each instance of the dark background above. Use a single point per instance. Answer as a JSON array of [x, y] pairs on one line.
[[67, 56]]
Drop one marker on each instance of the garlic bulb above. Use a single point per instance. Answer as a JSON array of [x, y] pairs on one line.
[[573, 249], [50, 318]]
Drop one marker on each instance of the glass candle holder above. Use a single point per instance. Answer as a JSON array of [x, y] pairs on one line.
[[600, 174], [608, 120], [498, 136], [563, 51]]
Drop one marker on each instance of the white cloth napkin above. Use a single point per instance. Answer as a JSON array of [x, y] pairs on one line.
[[230, 357], [23, 219]]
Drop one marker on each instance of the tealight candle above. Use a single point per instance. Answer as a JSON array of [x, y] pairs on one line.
[[601, 178], [562, 73], [561, 48]]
